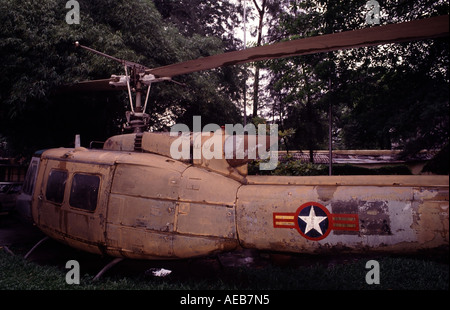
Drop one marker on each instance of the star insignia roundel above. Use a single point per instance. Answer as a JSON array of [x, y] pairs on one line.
[[313, 221]]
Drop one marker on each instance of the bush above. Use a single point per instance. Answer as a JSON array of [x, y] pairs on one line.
[[298, 168]]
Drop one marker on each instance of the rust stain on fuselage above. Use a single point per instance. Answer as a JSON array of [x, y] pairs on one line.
[[153, 207], [326, 192]]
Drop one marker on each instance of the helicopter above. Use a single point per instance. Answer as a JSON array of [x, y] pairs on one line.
[[132, 199]]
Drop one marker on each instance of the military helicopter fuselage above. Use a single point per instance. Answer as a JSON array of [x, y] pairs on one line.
[[146, 205], [133, 199]]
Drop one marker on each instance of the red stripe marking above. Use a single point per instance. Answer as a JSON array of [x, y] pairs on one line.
[[345, 222], [284, 220]]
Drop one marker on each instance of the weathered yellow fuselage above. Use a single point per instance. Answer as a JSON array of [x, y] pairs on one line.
[[148, 206]]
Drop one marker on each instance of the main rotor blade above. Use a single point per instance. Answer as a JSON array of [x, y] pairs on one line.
[[415, 30], [93, 85], [127, 63]]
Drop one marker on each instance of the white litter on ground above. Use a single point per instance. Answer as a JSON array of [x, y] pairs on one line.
[[160, 272]]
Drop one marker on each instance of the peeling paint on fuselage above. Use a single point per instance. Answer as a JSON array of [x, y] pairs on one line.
[[152, 207]]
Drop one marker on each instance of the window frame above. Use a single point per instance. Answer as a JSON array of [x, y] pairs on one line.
[[29, 182], [74, 204], [63, 192]]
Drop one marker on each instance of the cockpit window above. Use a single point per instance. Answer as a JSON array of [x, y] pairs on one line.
[[30, 178], [55, 186], [84, 191]]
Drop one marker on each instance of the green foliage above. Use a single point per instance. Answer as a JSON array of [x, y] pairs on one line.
[[297, 168], [38, 57], [394, 96], [291, 167], [382, 97], [205, 18]]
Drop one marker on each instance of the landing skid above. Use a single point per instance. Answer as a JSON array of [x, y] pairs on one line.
[[107, 267], [99, 274], [35, 246]]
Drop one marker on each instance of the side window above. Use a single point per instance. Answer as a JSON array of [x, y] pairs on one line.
[[30, 178], [55, 186], [84, 191]]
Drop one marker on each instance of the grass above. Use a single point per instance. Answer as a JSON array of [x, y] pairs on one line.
[[396, 273], [27, 283]]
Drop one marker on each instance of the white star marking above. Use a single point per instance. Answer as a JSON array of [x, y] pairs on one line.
[[312, 221]]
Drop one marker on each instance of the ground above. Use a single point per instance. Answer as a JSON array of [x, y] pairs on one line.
[[246, 269]]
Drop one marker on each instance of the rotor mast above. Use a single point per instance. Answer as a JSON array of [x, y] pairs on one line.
[[137, 119]]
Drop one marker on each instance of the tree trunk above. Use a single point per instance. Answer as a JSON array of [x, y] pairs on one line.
[[261, 10]]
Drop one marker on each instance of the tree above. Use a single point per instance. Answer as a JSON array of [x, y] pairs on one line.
[[267, 11], [373, 104], [202, 17], [210, 19], [300, 82], [397, 96], [39, 57]]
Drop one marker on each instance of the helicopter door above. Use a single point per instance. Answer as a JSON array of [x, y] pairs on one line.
[[84, 210], [72, 203], [51, 187]]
